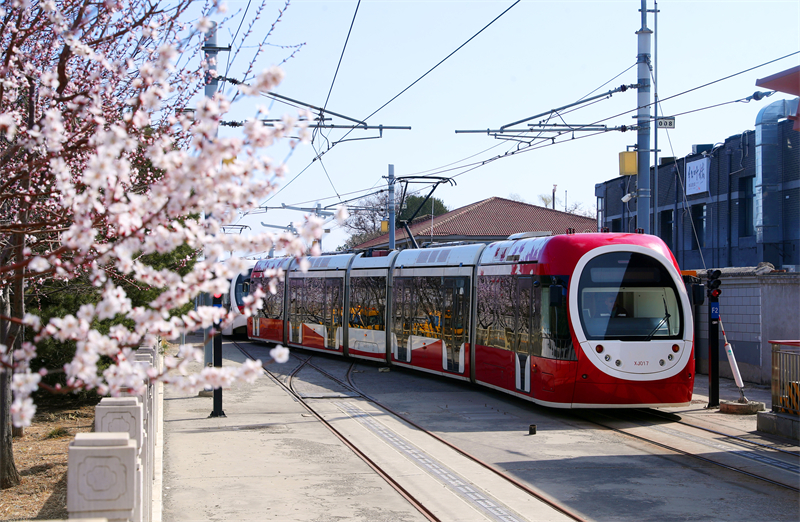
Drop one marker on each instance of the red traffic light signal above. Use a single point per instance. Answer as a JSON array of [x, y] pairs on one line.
[[716, 292], [217, 296]]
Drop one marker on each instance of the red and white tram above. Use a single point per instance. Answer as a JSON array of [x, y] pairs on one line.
[[569, 321]]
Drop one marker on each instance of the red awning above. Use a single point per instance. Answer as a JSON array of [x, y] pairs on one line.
[[787, 81]]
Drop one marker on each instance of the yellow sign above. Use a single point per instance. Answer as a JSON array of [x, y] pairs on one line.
[[384, 226], [628, 163]]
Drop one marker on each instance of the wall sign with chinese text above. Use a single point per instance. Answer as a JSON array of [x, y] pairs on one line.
[[697, 176]]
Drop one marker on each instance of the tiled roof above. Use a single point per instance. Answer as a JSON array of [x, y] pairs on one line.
[[490, 219]]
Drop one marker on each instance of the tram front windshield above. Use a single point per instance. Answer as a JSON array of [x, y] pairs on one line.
[[628, 296], [242, 288]]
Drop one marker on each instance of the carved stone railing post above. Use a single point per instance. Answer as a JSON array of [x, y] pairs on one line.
[[126, 414], [101, 476], [147, 357]]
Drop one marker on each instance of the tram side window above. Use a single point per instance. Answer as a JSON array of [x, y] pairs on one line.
[[427, 315], [485, 317], [314, 300], [497, 302], [556, 338], [273, 303], [368, 302], [524, 342]]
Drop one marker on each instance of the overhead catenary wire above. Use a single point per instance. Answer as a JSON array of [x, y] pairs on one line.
[[406, 89], [550, 142], [472, 166]]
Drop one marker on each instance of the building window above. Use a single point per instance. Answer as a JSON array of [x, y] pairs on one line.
[[665, 227], [616, 225], [745, 203], [699, 226]]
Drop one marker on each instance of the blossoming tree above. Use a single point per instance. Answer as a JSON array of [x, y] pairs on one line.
[[102, 167]]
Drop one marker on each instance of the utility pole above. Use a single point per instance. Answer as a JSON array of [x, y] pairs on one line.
[[210, 50], [656, 224], [391, 207], [554, 195], [643, 123]]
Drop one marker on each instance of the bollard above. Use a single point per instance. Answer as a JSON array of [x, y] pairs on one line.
[[101, 476], [532, 429]]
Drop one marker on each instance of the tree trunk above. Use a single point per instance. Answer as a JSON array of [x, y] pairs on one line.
[[9, 476]]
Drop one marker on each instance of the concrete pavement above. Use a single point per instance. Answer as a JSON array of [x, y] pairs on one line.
[[270, 459]]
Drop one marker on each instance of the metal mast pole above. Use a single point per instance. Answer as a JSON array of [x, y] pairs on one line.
[[656, 224], [212, 84], [391, 207], [643, 124]]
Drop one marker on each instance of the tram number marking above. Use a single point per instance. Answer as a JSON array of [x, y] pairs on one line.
[[640, 363]]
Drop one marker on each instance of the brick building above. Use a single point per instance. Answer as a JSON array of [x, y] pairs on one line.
[[741, 197], [491, 219]]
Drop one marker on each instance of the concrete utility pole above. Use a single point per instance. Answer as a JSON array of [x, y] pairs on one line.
[[643, 124], [391, 207]]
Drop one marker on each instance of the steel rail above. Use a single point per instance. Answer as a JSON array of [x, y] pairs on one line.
[[539, 496], [669, 416], [375, 467], [689, 454]]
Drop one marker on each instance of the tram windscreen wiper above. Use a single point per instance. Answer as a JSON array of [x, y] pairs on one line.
[[663, 320]]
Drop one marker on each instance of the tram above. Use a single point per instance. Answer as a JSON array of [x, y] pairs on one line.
[[568, 321], [233, 301]]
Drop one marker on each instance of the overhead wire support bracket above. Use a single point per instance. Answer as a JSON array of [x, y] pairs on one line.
[[621, 88], [542, 127], [234, 228], [360, 123], [318, 211]]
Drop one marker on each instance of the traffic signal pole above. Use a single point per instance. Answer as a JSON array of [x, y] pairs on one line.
[[713, 337]]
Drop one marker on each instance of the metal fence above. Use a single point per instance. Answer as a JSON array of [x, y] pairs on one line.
[[786, 377]]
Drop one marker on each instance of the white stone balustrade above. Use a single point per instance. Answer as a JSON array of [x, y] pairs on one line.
[[101, 476], [111, 471], [126, 415]]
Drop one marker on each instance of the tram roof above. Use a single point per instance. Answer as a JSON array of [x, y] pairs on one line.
[[443, 256], [335, 262], [271, 264], [374, 262]]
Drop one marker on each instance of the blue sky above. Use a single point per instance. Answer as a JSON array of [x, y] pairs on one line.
[[538, 56]]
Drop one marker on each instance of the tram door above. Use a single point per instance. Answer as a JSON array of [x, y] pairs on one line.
[[524, 334], [295, 309], [402, 320], [333, 310], [455, 327]]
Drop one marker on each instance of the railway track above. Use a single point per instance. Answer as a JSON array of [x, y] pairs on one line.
[[494, 509], [723, 450], [679, 420]]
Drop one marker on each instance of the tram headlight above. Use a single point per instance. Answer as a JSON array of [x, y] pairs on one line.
[[676, 348], [608, 357], [599, 348]]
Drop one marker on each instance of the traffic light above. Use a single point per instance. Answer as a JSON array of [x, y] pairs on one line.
[[713, 283]]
